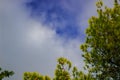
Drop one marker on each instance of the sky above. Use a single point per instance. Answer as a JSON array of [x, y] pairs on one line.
[[34, 33]]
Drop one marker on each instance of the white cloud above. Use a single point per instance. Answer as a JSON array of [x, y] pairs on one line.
[[28, 45]]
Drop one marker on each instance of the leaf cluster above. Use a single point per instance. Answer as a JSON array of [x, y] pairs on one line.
[[5, 73]]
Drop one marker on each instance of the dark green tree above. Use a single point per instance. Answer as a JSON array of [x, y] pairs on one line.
[[102, 46], [5, 73]]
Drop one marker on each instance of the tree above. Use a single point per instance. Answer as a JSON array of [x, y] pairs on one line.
[[5, 73], [65, 71], [102, 46], [34, 76], [79, 75], [62, 70]]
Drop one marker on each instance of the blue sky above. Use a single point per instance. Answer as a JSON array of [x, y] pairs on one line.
[[62, 18], [34, 33]]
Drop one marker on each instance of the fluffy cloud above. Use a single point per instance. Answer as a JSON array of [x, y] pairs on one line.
[[27, 45]]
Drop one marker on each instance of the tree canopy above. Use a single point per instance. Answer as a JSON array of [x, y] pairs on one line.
[[102, 46], [64, 71], [34, 76]]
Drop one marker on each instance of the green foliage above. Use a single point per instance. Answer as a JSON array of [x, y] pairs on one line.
[[65, 71], [5, 73], [47, 78], [62, 70], [102, 46], [79, 75], [34, 76]]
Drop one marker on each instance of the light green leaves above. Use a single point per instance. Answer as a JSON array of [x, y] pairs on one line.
[[102, 46], [34, 76]]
